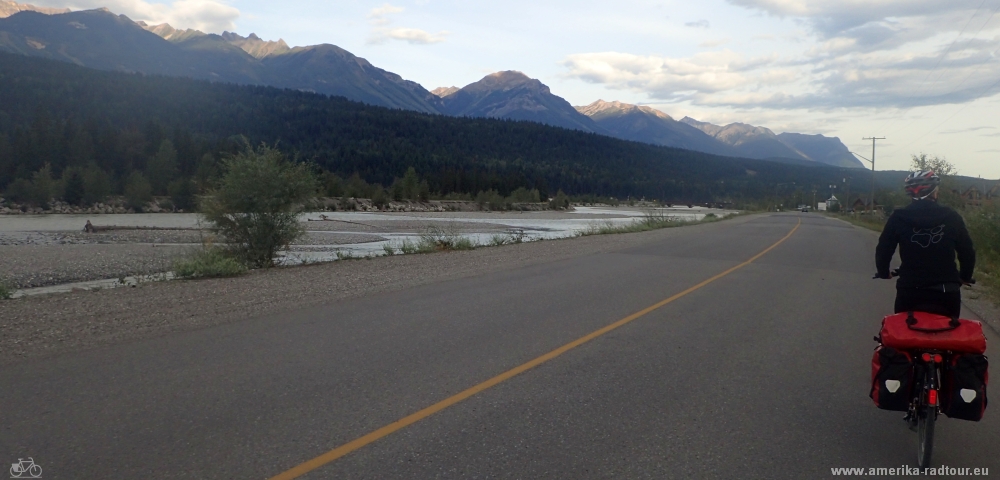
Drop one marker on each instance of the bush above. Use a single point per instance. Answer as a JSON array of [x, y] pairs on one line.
[[561, 201], [435, 239], [6, 291], [138, 191], [256, 205], [208, 263], [984, 227], [19, 191]]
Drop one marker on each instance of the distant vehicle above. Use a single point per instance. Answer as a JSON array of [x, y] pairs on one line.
[[804, 208]]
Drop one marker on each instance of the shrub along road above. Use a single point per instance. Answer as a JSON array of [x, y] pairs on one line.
[[762, 373]]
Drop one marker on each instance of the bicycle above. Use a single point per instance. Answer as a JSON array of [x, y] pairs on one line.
[[25, 466], [926, 405]]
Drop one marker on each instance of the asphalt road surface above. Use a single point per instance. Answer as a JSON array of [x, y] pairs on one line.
[[761, 373]]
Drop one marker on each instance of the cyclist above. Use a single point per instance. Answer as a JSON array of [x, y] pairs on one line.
[[929, 236]]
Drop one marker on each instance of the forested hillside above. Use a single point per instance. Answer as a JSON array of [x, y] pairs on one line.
[[69, 117]]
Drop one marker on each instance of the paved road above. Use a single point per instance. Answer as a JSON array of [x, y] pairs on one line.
[[761, 374]]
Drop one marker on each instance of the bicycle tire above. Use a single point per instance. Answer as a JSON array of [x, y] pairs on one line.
[[925, 436]]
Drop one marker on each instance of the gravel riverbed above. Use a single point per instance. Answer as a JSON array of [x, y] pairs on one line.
[[48, 324]]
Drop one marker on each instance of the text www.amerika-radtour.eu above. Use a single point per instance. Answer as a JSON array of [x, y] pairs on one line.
[[904, 471]]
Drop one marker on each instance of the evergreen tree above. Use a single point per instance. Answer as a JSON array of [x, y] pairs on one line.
[[138, 191], [96, 185], [42, 187], [162, 168], [73, 186], [182, 194]]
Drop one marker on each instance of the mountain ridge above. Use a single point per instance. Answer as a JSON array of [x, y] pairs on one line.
[[102, 40], [8, 8], [513, 95]]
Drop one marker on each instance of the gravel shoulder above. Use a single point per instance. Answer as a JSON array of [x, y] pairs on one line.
[[27, 266], [38, 326]]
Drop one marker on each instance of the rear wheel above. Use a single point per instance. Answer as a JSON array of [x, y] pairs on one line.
[[925, 435]]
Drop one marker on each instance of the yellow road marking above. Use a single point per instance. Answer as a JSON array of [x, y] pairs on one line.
[[355, 444]]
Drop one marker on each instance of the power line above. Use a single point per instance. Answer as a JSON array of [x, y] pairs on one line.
[[923, 83], [964, 79], [949, 117]]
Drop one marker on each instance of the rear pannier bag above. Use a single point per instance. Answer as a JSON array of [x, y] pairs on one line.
[[892, 379], [964, 392], [927, 331]]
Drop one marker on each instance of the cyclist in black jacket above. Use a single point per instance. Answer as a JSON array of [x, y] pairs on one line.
[[929, 236]]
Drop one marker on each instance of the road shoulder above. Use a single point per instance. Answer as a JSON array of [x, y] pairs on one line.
[[47, 325]]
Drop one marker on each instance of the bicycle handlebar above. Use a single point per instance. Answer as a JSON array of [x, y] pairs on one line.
[[895, 273], [892, 274]]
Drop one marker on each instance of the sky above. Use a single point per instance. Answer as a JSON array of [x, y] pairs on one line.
[[924, 74]]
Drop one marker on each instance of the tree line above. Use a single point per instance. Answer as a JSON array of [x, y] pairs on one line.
[[84, 134]]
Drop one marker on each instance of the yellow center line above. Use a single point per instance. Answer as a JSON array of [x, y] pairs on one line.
[[357, 443]]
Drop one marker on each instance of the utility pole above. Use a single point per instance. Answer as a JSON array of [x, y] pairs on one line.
[[872, 199]]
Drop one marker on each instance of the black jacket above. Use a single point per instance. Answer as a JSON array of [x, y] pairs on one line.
[[929, 236]]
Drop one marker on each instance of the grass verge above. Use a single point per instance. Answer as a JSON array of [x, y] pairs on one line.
[[650, 221], [208, 263]]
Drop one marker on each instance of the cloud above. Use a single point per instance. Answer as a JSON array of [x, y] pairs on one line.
[[830, 17], [966, 130], [665, 78], [699, 24], [713, 43], [414, 36], [205, 15], [378, 14], [381, 32]]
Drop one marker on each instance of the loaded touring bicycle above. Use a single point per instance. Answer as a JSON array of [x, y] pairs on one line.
[[927, 365]]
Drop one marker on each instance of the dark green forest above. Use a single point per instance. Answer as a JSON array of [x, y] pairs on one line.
[[98, 130]]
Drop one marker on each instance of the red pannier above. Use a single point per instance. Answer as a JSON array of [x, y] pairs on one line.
[[927, 331], [892, 379]]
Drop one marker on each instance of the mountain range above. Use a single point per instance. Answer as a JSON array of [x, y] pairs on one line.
[[102, 40]]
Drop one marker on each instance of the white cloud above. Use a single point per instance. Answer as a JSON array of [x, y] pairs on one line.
[[699, 24], [378, 15], [667, 78], [414, 36], [205, 15], [713, 43], [830, 17], [381, 32]]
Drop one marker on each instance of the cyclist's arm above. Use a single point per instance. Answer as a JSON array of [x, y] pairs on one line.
[[965, 250], [886, 248]]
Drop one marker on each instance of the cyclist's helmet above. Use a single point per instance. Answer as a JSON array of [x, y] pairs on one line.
[[920, 185]]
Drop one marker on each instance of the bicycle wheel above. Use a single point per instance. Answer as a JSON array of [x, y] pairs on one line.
[[925, 435]]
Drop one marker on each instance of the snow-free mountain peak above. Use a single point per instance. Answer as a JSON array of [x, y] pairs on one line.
[[761, 142], [444, 91], [8, 8], [255, 46], [514, 95], [601, 108]]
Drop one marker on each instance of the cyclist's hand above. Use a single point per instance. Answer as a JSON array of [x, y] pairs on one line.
[[892, 274]]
